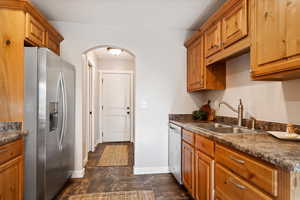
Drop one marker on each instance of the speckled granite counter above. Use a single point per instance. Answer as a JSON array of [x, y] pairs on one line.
[[11, 135], [283, 154]]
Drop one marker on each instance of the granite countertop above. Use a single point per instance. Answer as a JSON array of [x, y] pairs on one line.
[[11, 135], [282, 154]]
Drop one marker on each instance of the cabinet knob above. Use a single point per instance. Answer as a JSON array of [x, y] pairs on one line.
[[266, 14], [288, 3], [7, 42]]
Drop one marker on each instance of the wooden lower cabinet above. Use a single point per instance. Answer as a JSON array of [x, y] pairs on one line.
[[204, 173], [231, 187], [263, 176], [11, 180], [211, 171], [11, 170], [188, 167]]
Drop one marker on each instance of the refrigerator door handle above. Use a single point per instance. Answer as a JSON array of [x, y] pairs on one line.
[[64, 110], [58, 94]]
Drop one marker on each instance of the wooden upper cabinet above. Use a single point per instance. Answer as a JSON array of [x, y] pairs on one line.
[[270, 41], [35, 33], [276, 56], [20, 24], [195, 70], [213, 39], [235, 23], [52, 42], [188, 167], [11, 65], [204, 172], [293, 30]]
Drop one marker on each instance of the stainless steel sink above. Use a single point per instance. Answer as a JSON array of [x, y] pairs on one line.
[[223, 129]]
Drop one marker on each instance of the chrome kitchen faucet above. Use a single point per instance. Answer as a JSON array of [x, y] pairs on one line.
[[239, 111]]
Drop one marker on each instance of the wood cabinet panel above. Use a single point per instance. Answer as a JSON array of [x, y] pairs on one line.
[[230, 187], [205, 145], [261, 175], [35, 32], [11, 150], [11, 65], [275, 56], [188, 137], [204, 172], [235, 23], [293, 30], [52, 43], [11, 179], [213, 39], [270, 17], [188, 167], [195, 79], [200, 77]]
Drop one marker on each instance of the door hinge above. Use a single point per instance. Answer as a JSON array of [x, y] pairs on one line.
[[102, 107], [102, 80], [102, 133]]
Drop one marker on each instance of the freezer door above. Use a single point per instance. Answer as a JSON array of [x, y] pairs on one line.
[[55, 123], [67, 139]]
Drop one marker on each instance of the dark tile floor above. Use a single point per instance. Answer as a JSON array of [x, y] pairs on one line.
[[110, 179]]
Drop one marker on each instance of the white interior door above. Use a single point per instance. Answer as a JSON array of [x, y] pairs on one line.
[[116, 111], [91, 133]]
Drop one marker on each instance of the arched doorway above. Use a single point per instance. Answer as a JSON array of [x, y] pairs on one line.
[[108, 96]]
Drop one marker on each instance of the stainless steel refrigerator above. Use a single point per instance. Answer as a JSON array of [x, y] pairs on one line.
[[50, 118]]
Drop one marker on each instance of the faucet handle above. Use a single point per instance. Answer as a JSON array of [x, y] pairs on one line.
[[241, 103], [253, 123]]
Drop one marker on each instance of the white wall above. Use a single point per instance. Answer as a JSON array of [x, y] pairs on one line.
[[268, 101], [116, 64], [160, 82]]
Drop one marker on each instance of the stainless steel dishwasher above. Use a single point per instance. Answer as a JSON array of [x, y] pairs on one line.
[[175, 151]]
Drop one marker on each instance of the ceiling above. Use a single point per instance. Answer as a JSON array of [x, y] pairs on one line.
[[96, 55], [179, 14]]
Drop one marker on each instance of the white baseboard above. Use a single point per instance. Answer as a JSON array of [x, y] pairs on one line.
[[150, 170], [78, 173]]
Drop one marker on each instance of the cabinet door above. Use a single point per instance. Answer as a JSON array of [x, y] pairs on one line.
[[293, 30], [188, 172], [270, 30], [190, 68], [204, 177], [235, 23], [11, 65], [196, 66], [52, 43], [231, 187], [35, 32], [11, 180], [213, 39]]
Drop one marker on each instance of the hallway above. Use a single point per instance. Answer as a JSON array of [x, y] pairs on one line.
[[112, 179]]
